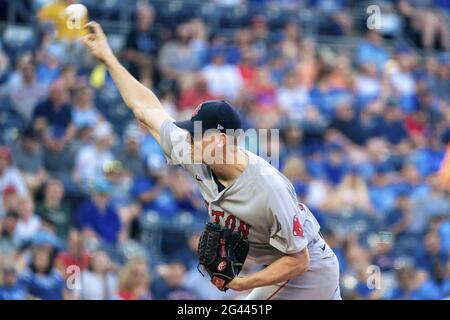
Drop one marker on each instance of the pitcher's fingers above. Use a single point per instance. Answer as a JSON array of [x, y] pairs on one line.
[[87, 39], [96, 28]]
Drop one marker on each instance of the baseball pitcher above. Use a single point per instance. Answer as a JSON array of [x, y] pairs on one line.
[[253, 208]]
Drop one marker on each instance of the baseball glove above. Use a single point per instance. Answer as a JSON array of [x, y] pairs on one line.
[[222, 254]]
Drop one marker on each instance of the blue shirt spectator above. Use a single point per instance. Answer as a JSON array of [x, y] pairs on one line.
[[99, 215], [55, 111], [372, 51], [11, 289], [44, 286]]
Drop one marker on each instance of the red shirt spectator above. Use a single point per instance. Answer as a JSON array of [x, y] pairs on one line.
[[75, 254], [192, 97]]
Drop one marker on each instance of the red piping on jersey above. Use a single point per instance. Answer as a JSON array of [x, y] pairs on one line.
[[278, 290]]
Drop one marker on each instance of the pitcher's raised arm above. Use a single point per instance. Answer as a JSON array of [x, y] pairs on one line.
[[141, 100]]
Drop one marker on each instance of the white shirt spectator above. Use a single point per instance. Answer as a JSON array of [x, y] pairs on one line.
[[403, 82], [25, 230], [11, 177], [90, 161], [293, 100], [223, 80], [95, 286], [89, 117], [25, 97], [91, 158], [368, 86]]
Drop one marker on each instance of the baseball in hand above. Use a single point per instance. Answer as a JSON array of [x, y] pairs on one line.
[[75, 13]]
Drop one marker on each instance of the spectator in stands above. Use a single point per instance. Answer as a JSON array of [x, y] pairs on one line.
[[262, 90], [76, 254], [55, 208], [178, 57], [295, 171], [199, 42], [398, 221], [278, 66], [68, 77], [427, 21], [415, 285], [335, 165], [134, 281], [120, 184], [29, 223], [129, 154], [292, 137], [10, 178], [152, 190], [402, 78], [142, 43], [41, 279], [91, 158], [223, 79], [413, 181], [383, 254], [84, 113], [307, 64], [9, 242], [289, 43], [442, 79], [391, 126], [382, 191], [194, 93], [347, 122], [368, 84], [187, 199], [48, 66], [97, 218], [362, 290], [372, 50], [260, 35], [29, 159], [351, 195], [54, 112], [292, 98], [59, 157], [242, 41], [169, 283], [11, 288], [432, 258], [24, 90], [100, 281]]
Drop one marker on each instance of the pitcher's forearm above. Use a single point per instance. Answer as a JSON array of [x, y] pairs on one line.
[[141, 100]]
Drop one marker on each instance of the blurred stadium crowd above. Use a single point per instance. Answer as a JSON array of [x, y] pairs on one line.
[[364, 119]]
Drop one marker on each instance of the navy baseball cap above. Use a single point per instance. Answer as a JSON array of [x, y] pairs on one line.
[[213, 114]]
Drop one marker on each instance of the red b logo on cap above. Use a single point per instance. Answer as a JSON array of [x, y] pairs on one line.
[[196, 110]]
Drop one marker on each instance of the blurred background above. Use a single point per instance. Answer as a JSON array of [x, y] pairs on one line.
[[364, 119]]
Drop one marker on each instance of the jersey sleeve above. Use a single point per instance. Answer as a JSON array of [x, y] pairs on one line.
[[286, 234], [174, 143]]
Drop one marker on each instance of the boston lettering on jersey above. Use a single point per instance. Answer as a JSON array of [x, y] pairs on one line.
[[230, 222]]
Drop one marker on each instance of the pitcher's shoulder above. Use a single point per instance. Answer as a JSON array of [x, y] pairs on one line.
[[267, 178]]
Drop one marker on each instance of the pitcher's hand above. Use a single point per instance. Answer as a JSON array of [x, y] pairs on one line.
[[97, 43]]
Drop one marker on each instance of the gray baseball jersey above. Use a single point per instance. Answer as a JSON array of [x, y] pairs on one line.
[[262, 205]]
